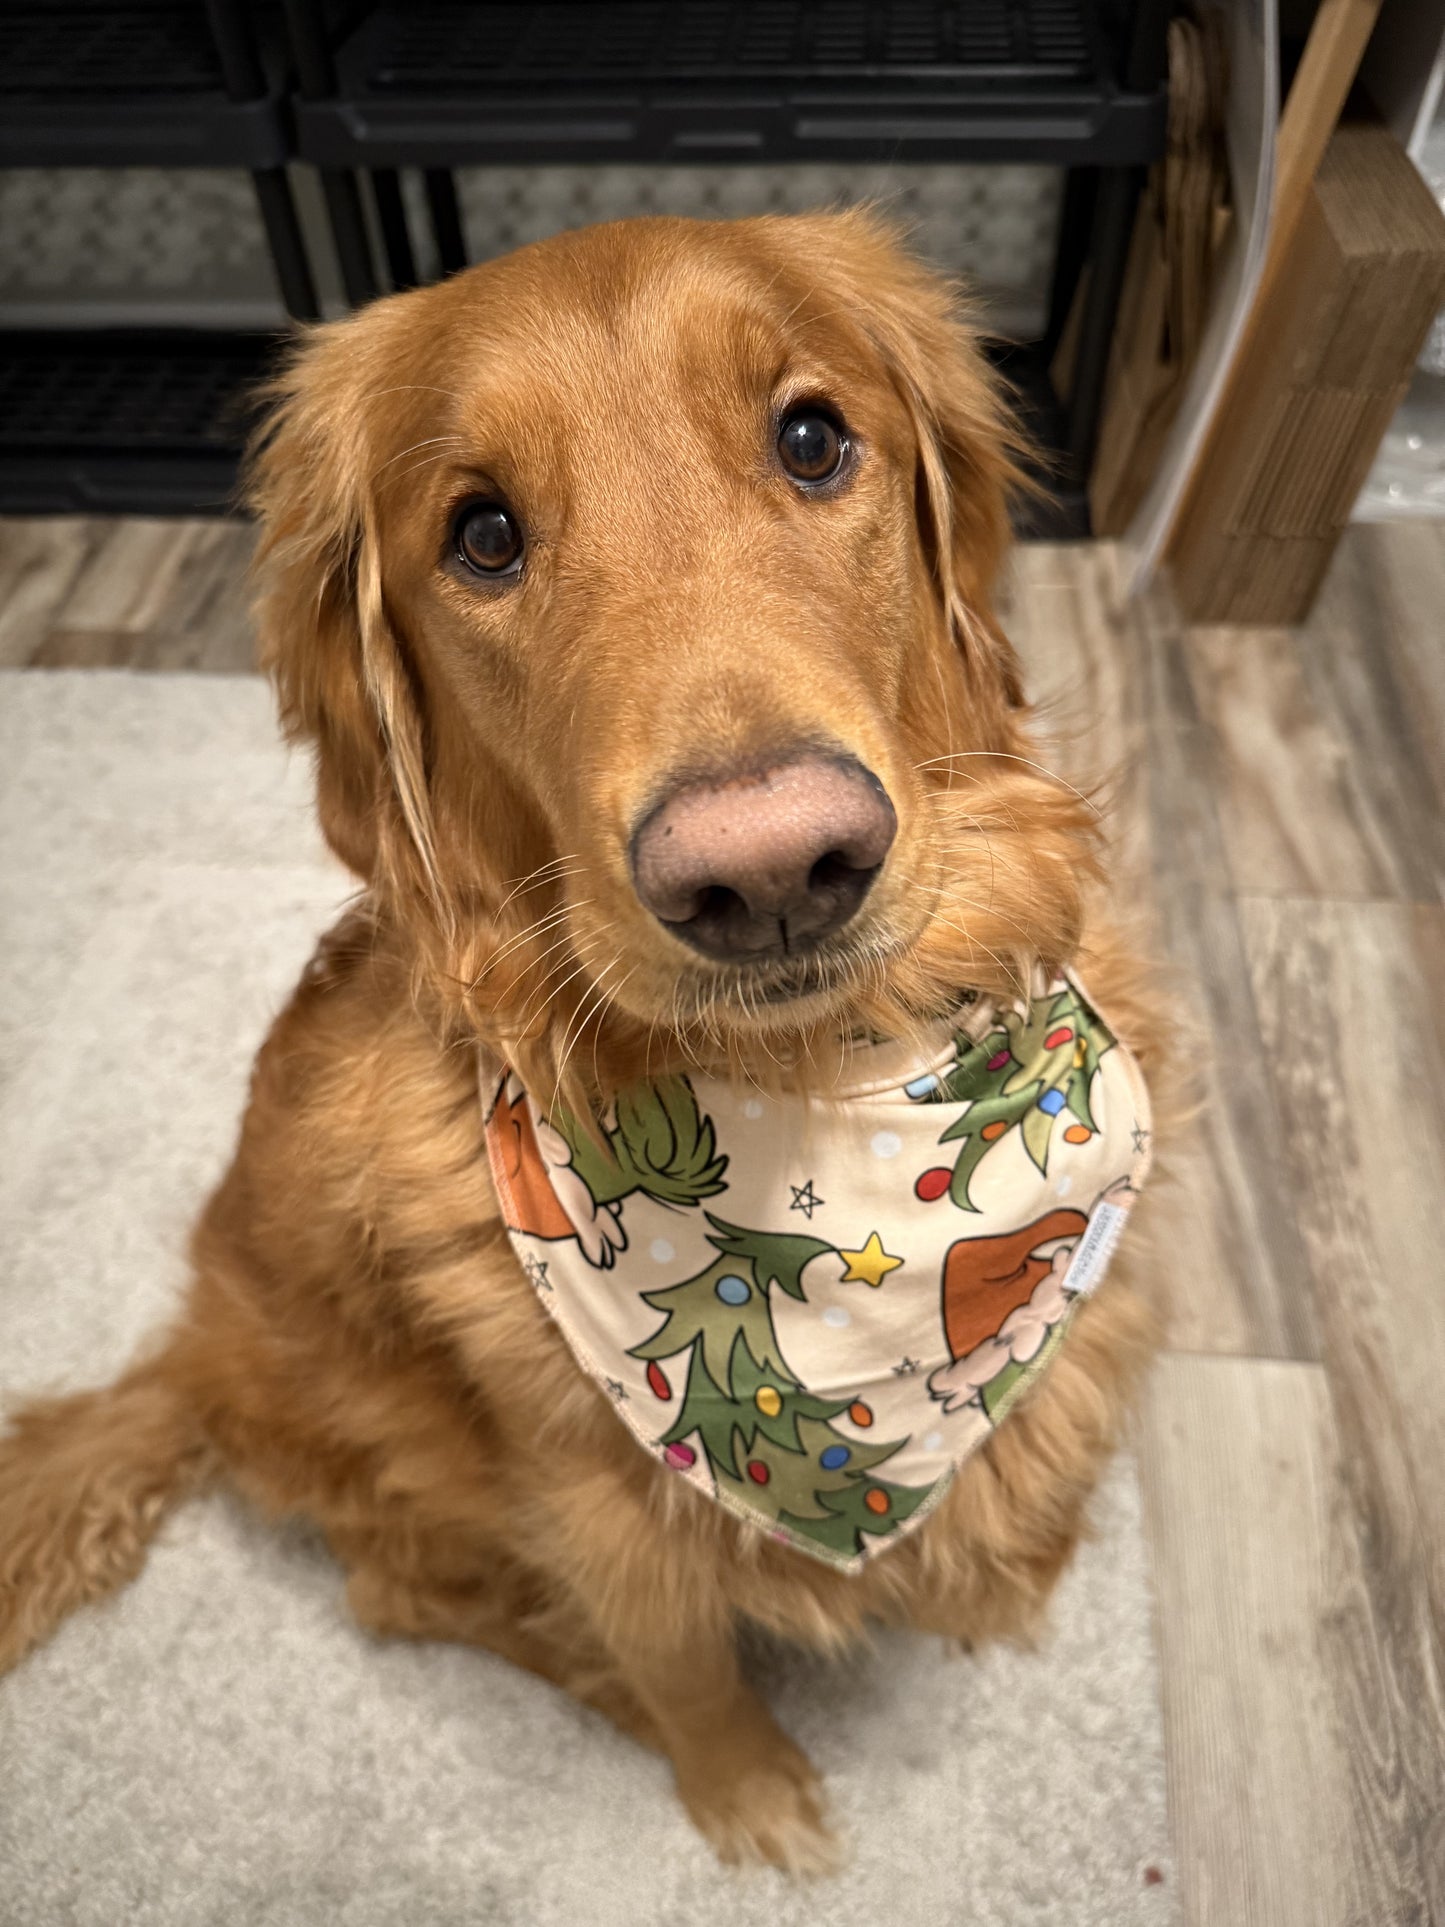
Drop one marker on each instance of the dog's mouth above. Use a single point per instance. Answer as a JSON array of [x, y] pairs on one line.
[[807, 976], [800, 986]]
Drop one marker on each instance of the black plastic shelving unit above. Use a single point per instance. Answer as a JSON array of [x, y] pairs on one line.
[[126, 86], [438, 84], [111, 421], [448, 83], [140, 418]]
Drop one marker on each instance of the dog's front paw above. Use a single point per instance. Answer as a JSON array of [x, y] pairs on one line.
[[765, 1807]]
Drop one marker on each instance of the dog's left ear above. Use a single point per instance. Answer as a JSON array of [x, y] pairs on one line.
[[342, 678], [969, 446]]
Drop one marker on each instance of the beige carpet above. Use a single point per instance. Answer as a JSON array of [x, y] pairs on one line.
[[220, 1744]]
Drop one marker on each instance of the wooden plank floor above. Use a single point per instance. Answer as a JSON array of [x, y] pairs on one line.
[[1281, 824], [1284, 819]]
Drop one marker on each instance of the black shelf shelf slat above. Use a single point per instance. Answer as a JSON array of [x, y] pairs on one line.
[[91, 83], [453, 83], [451, 44], [134, 420]]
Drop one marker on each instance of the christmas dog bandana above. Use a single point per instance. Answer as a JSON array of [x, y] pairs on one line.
[[814, 1310]]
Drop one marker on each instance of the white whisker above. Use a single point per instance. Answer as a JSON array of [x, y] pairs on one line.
[[534, 929], [431, 441], [526, 883], [1006, 756]]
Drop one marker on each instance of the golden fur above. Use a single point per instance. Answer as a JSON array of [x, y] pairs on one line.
[[359, 1344]]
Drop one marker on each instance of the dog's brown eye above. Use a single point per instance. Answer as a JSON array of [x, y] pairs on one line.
[[811, 446], [488, 539]]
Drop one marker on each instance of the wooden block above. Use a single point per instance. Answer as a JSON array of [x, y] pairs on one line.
[[1312, 459], [1278, 577], [1309, 313], [1387, 229], [1319, 389], [1369, 189], [1338, 36], [1337, 40]]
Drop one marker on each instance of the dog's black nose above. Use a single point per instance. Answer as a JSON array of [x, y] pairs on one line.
[[755, 865]]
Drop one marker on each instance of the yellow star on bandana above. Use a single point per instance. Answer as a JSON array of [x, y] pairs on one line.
[[871, 1265]]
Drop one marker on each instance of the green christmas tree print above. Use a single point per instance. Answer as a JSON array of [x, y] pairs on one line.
[[1022, 1075], [768, 1442], [659, 1143]]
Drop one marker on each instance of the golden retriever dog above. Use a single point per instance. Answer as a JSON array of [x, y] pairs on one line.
[[659, 507]]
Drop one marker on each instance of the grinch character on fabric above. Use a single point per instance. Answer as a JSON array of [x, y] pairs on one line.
[[1034, 1064], [769, 1443], [563, 1182], [1005, 1301]]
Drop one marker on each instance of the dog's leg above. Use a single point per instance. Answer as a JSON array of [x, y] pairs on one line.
[[749, 1789], [658, 1602]]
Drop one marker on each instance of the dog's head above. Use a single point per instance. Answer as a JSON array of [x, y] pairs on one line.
[[635, 591]]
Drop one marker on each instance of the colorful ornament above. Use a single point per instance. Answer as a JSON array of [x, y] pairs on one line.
[[680, 1457], [758, 1472], [933, 1184], [876, 1499], [657, 1380], [860, 1413], [768, 1400], [1032, 1067], [834, 1456], [732, 1289], [1077, 1134]]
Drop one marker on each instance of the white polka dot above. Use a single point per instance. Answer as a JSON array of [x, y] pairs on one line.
[[753, 1108], [1064, 1186], [886, 1144], [934, 1442], [662, 1252], [836, 1316]]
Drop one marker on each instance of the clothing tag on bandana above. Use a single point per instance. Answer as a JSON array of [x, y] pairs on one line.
[[1096, 1247], [815, 1310]]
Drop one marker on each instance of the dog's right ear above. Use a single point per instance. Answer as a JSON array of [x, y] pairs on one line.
[[340, 677]]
